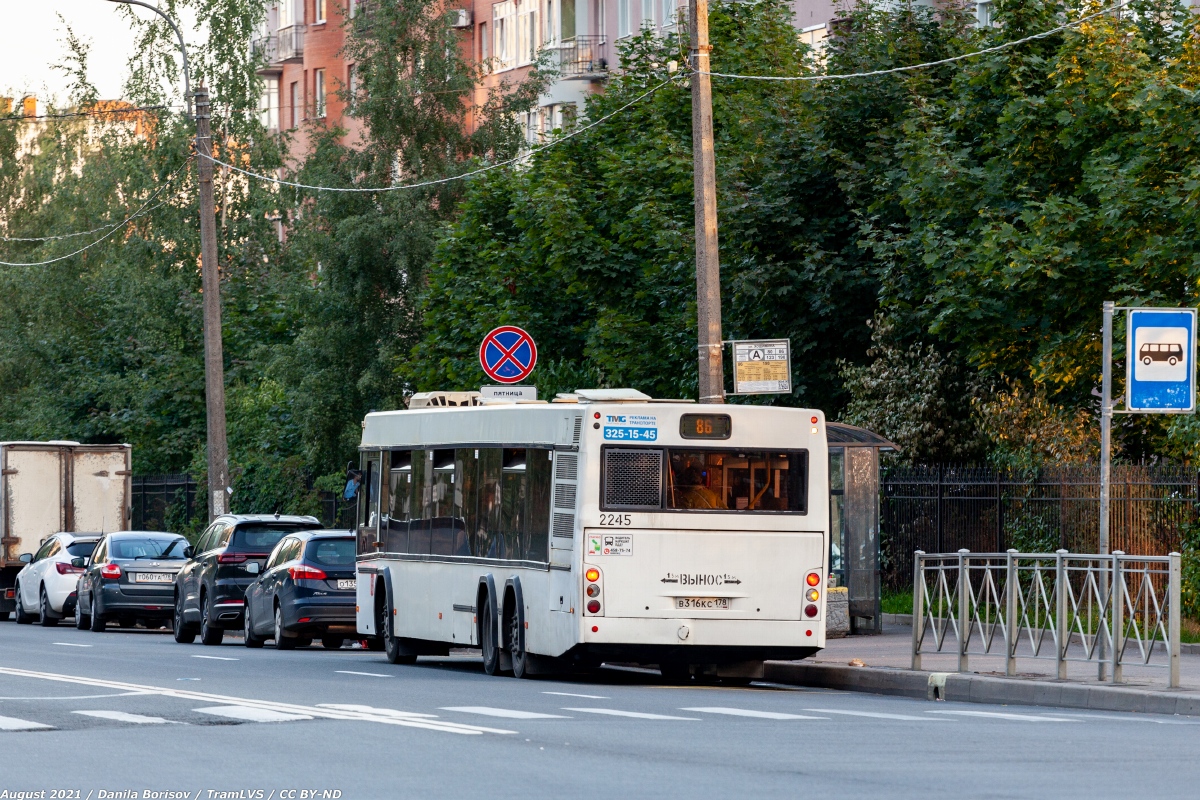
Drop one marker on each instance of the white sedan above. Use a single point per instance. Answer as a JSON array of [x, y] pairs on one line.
[[46, 584]]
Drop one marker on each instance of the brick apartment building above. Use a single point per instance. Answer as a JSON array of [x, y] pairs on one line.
[[303, 41]]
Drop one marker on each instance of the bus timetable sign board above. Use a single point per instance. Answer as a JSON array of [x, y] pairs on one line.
[[762, 366], [1160, 363]]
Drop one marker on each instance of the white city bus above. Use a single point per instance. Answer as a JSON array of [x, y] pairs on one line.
[[604, 526]]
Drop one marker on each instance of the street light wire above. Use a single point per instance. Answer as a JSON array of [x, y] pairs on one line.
[[95, 112], [145, 208], [926, 65], [451, 178]]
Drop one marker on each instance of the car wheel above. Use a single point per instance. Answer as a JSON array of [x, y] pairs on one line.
[[22, 617], [488, 638], [184, 633], [96, 621], [249, 638], [44, 618], [282, 640], [81, 620], [332, 642], [209, 634]]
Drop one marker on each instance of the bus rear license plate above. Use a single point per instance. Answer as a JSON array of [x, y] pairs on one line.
[[348, 584], [153, 577], [702, 602]]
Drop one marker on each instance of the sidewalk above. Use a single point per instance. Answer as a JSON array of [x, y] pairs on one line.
[[887, 658]]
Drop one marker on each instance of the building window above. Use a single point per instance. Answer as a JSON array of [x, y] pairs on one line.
[[294, 111], [983, 14], [319, 8], [351, 88], [668, 13], [648, 20], [504, 33], [319, 92], [269, 106], [814, 36], [527, 32], [484, 50], [623, 18]]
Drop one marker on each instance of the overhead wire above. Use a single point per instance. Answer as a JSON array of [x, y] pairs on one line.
[[927, 64], [141, 211], [16, 117], [450, 178]]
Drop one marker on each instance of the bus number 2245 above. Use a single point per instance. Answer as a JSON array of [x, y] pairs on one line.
[[620, 520]]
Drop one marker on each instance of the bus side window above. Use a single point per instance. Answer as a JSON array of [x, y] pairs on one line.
[[466, 499], [513, 500], [444, 522], [400, 489], [418, 528], [485, 542], [538, 470]]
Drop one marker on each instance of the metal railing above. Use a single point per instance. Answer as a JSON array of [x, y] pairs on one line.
[[583, 57], [290, 43], [265, 49], [1106, 610]]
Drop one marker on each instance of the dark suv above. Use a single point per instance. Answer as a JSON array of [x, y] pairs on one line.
[[210, 590]]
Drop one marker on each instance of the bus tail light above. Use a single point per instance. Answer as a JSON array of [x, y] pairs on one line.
[[814, 579], [813, 595], [593, 591], [811, 610]]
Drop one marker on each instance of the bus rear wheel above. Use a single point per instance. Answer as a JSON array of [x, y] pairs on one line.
[[520, 660], [391, 643], [488, 639]]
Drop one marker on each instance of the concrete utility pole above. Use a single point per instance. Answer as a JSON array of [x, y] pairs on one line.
[[214, 354], [214, 357], [708, 264], [1106, 415]]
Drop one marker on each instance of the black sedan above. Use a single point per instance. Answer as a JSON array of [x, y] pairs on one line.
[[129, 577], [305, 592]]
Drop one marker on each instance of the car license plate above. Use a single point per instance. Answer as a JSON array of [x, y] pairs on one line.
[[153, 577], [702, 602], [351, 583]]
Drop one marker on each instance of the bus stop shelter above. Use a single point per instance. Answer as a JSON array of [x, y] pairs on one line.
[[854, 520]]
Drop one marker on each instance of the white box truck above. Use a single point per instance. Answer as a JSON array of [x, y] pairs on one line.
[[47, 487]]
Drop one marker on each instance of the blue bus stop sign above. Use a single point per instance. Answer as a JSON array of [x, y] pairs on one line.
[[1161, 360]]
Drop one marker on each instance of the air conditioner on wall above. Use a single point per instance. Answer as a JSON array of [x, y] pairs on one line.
[[460, 18]]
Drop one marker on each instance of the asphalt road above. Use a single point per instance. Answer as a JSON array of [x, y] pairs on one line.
[[130, 711]]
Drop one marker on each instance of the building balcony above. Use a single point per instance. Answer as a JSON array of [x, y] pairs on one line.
[[290, 45], [264, 50], [583, 58]]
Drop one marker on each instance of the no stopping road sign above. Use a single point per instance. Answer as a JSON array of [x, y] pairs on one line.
[[508, 354]]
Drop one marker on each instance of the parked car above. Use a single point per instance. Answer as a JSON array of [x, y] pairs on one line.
[[130, 577], [210, 590], [47, 581], [305, 592]]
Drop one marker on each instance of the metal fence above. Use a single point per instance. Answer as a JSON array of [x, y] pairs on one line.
[[1108, 611], [163, 502], [944, 509]]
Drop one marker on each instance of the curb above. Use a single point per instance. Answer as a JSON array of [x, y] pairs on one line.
[[1186, 648], [970, 688]]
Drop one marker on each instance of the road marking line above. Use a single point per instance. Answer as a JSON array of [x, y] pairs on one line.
[[745, 712], [876, 715], [387, 712], [368, 674], [251, 714], [313, 711], [612, 712], [508, 713], [14, 724], [217, 658], [70, 644], [1133, 717], [1001, 715], [78, 696], [121, 716], [572, 694]]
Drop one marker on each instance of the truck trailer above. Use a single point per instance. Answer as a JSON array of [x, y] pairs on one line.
[[47, 487]]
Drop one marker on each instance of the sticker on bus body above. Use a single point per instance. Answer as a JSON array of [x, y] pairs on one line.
[[616, 545], [630, 427]]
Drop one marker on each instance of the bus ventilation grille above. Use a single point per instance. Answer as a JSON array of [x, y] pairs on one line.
[[566, 468], [564, 495], [632, 478], [578, 430], [564, 526]]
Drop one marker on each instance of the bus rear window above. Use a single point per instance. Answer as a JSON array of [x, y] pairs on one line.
[[737, 480]]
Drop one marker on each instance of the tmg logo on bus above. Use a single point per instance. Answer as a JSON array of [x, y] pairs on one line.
[[614, 418]]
